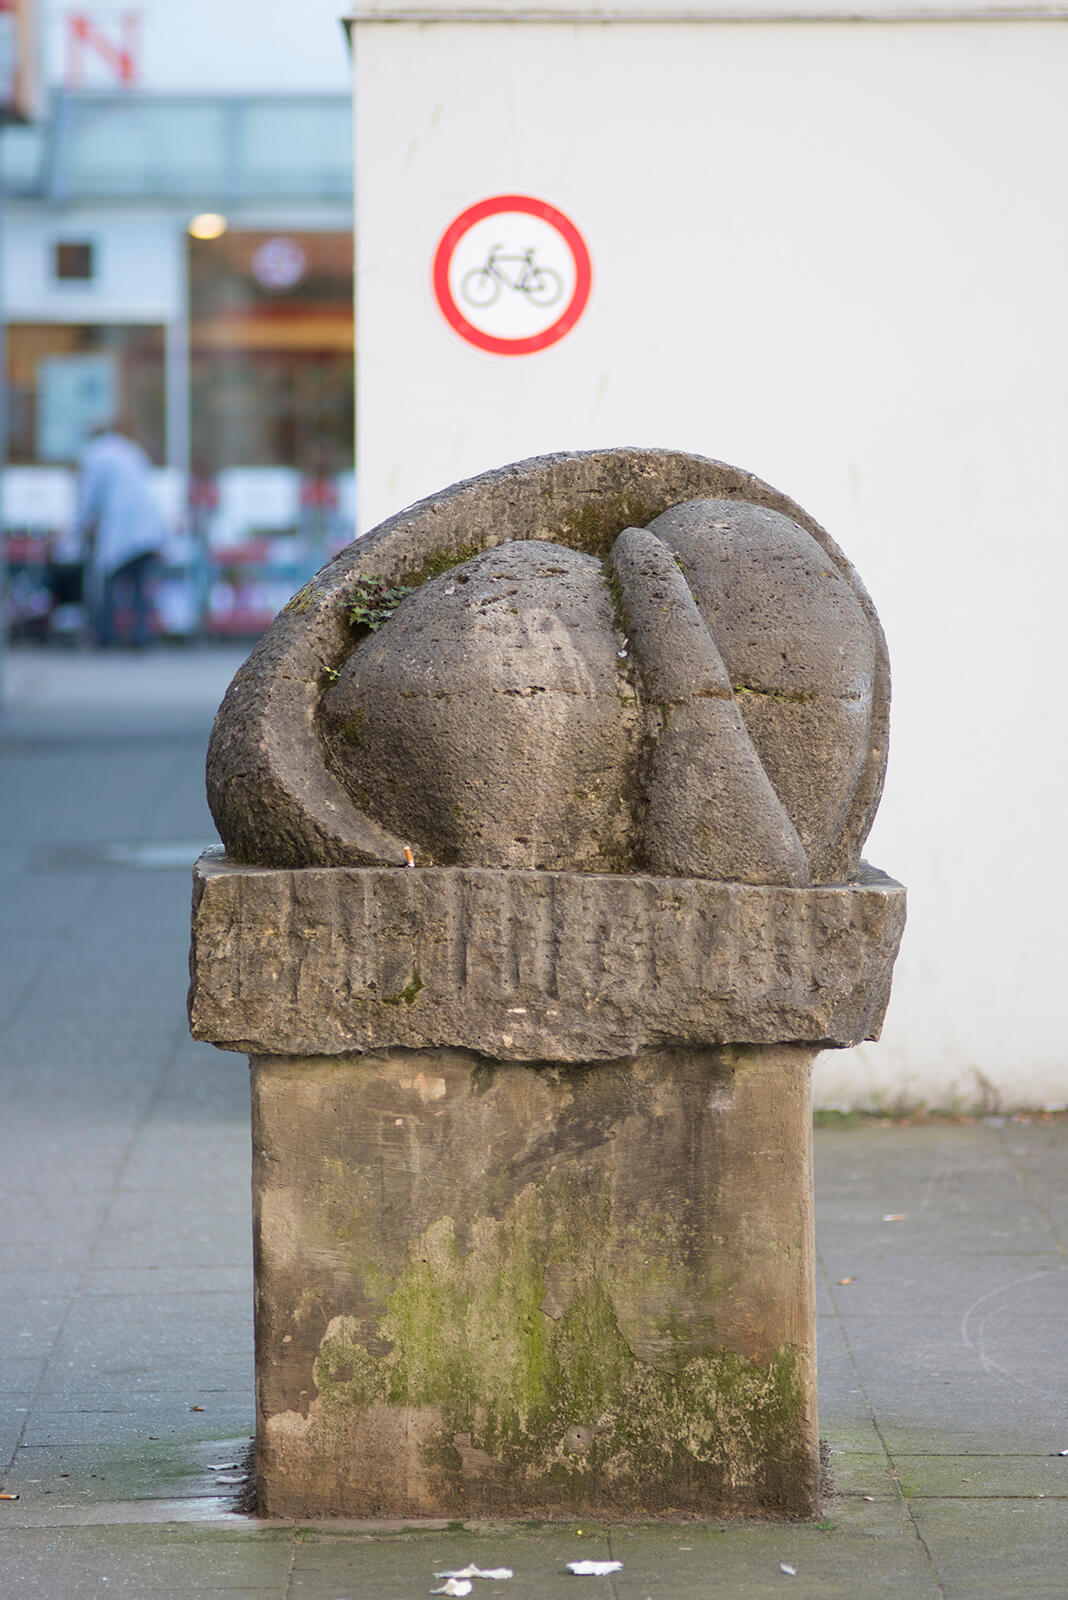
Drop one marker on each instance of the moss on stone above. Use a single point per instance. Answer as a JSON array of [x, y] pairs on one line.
[[303, 598], [597, 523], [443, 561], [352, 727], [346, 1374], [620, 614], [517, 1343], [407, 995]]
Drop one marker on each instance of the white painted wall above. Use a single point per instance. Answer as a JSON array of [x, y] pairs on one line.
[[139, 265], [833, 254]]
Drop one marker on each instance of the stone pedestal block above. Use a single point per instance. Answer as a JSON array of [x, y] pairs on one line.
[[499, 1287], [544, 806], [568, 1270]]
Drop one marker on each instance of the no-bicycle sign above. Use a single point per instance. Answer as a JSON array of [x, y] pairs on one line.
[[512, 275]]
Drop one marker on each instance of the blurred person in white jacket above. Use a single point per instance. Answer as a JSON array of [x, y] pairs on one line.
[[121, 533]]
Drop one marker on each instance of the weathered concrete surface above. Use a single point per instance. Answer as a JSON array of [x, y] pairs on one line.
[[532, 966], [490, 1287], [276, 799]]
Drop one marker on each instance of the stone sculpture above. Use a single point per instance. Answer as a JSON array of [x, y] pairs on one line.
[[626, 713]]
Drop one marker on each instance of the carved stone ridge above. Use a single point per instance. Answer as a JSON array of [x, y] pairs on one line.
[[528, 966]]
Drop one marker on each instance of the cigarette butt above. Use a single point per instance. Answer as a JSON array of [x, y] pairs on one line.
[[409, 859], [8, 1496]]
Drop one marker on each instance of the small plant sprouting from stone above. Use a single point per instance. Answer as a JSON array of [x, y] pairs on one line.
[[407, 995], [374, 602]]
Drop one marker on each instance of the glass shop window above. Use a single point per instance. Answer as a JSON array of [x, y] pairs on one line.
[[271, 352], [65, 379]]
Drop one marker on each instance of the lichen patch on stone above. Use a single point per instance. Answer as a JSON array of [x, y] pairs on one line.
[[561, 1402]]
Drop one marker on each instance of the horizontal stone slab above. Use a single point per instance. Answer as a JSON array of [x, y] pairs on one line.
[[529, 966]]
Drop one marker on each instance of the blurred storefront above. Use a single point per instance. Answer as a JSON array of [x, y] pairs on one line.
[[183, 264]]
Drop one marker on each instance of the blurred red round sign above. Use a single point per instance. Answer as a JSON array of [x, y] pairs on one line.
[[512, 275]]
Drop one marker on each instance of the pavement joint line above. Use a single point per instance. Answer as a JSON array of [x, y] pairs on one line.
[[294, 1545], [906, 1501], [166, 1064], [862, 1390], [613, 1556]]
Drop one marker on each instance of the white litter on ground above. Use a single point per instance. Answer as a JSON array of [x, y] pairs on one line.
[[791, 1572], [593, 1569], [455, 1586], [495, 1574]]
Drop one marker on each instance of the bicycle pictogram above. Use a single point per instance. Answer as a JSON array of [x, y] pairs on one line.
[[511, 275], [519, 272]]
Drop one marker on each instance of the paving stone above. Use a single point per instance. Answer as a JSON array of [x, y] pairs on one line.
[[859, 1548], [394, 1567], [187, 1225], [20, 1375], [162, 1416], [194, 1377], [155, 1324], [174, 1562], [996, 1549], [29, 1322], [180, 1280], [978, 1477], [905, 1285], [856, 1472], [924, 1382]]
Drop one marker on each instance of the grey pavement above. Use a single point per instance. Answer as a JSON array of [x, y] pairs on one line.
[[126, 1391]]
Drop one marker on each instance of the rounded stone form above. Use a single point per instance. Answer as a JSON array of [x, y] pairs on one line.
[[711, 811], [487, 723], [280, 798], [800, 653]]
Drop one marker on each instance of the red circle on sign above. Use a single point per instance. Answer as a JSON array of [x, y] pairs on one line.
[[579, 254]]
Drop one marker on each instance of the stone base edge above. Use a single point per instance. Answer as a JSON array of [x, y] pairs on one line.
[[531, 966]]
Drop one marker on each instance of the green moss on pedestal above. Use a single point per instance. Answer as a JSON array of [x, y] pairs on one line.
[[516, 1345]]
